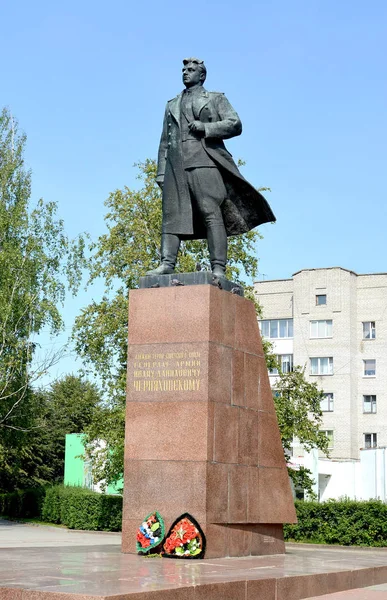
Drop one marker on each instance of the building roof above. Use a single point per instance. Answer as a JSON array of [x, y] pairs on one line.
[[324, 269], [321, 269]]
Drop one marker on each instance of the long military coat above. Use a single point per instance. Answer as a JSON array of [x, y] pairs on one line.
[[244, 207]]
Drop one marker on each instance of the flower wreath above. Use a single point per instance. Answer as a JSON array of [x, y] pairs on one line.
[[185, 539], [150, 534]]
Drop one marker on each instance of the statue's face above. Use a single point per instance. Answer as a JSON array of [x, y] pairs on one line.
[[192, 75]]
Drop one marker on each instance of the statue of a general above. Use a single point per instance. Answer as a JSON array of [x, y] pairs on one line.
[[204, 194]]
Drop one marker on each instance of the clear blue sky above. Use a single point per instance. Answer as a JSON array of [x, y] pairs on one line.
[[88, 82]]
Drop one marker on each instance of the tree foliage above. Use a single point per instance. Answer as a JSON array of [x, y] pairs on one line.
[[67, 406], [297, 403], [36, 257], [70, 405], [36, 260]]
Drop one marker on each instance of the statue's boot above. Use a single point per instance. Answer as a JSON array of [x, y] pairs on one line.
[[170, 244], [217, 246]]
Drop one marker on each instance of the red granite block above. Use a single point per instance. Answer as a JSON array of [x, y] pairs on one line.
[[210, 431], [238, 491], [171, 487], [247, 336], [166, 431], [238, 378], [363, 577], [167, 593], [11, 593], [222, 306], [379, 576], [129, 531], [267, 540], [261, 589], [160, 316], [270, 449], [230, 590], [341, 580], [253, 506], [251, 375], [226, 419], [265, 393], [304, 586], [217, 493], [219, 373], [275, 497], [239, 540], [216, 539], [248, 437]]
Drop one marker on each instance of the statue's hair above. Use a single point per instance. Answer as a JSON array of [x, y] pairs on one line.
[[199, 62]]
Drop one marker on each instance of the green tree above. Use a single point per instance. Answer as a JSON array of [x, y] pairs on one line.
[[297, 403], [70, 405], [36, 260], [67, 406], [120, 257]]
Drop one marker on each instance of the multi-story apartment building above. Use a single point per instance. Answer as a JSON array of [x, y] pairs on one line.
[[333, 322]]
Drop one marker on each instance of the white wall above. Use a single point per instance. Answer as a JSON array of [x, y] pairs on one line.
[[362, 479]]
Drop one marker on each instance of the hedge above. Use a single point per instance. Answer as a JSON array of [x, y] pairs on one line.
[[345, 522], [79, 508], [75, 507], [22, 503]]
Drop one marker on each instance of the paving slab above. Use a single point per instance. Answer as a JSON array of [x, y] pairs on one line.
[[375, 592], [80, 566], [19, 535]]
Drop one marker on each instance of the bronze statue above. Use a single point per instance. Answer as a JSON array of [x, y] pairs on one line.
[[204, 194]]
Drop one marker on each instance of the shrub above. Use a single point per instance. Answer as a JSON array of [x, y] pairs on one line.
[[22, 503], [51, 505], [79, 508], [345, 522]]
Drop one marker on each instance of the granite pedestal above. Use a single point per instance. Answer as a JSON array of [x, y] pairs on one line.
[[102, 573], [201, 430]]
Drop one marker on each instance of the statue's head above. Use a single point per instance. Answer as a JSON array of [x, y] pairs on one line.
[[194, 72]]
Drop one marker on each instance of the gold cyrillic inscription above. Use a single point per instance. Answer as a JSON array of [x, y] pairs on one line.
[[169, 372]]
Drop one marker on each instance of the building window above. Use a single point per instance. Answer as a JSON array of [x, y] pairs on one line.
[[369, 332], [286, 364], [369, 367], [369, 404], [326, 403], [277, 328], [321, 329], [329, 435], [370, 440], [321, 299], [321, 366]]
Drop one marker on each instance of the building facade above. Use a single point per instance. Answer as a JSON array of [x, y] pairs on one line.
[[333, 322]]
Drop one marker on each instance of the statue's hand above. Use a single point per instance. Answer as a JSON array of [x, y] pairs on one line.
[[160, 183], [197, 127]]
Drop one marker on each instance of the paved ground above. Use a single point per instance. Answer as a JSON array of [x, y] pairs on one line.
[[375, 592], [49, 559], [20, 535]]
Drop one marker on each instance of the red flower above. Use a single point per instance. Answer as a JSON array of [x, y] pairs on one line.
[[142, 540], [172, 542]]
